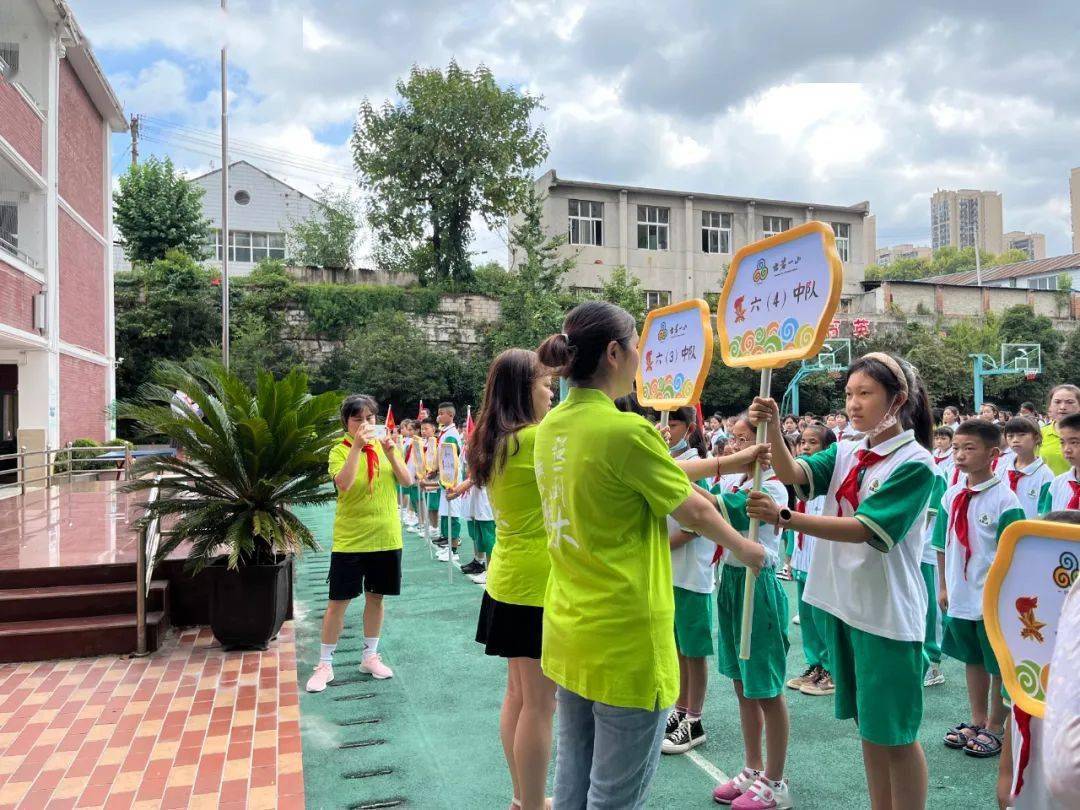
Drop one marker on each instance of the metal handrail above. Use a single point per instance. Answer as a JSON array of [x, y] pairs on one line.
[[54, 458], [145, 552]]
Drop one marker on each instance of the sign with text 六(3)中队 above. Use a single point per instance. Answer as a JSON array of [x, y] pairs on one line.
[[1036, 563], [676, 351], [779, 298]]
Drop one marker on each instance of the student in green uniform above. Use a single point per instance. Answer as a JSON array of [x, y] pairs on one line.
[[366, 554], [865, 573], [500, 456], [607, 483]]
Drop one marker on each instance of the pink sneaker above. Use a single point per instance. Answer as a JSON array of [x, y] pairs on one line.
[[765, 795], [372, 665], [736, 787], [323, 674]]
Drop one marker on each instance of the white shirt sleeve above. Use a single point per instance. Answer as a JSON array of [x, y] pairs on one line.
[[1061, 731]]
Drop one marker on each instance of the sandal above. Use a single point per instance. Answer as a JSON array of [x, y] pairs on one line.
[[984, 748], [956, 738]]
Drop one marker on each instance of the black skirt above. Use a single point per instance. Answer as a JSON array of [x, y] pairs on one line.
[[510, 631]]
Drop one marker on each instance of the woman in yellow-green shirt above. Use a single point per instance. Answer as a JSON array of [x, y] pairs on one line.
[[500, 457], [1064, 400], [607, 484], [366, 554]]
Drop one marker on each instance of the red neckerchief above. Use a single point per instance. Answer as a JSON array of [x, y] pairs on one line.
[[720, 550], [1014, 477], [955, 476], [800, 507], [959, 515], [1023, 725], [939, 459], [408, 452], [1074, 501], [849, 489], [372, 461]]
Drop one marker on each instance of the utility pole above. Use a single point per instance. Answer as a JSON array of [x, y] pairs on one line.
[[134, 140], [978, 264], [225, 187]]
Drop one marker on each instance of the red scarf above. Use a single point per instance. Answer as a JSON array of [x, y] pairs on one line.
[[849, 489], [939, 459], [1023, 725], [1014, 478], [959, 515], [372, 462], [1074, 501], [800, 507], [408, 452], [955, 476]]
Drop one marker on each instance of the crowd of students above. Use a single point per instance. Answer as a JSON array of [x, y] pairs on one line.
[[613, 554]]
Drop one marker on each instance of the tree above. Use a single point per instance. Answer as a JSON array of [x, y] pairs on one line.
[[156, 210], [946, 260], [168, 310], [328, 237], [624, 290], [454, 145], [532, 298]]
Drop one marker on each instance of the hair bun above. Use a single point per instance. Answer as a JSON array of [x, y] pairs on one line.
[[556, 353]]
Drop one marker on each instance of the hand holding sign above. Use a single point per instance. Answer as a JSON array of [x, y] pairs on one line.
[[676, 348], [776, 306], [1036, 564]]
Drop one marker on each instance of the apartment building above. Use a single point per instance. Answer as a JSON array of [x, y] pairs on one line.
[[888, 255], [1033, 244], [958, 217], [677, 243], [57, 111]]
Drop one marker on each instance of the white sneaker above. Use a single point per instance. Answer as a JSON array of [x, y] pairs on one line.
[[441, 554], [934, 676], [323, 674], [479, 579], [765, 795], [795, 619], [372, 665]]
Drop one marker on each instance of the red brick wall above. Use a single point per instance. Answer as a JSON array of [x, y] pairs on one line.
[[82, 286], [20, 126], [17, 298], [82, 150], [82, 400]]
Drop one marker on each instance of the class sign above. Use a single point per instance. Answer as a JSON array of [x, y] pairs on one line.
[[675, 349], [779, 298]]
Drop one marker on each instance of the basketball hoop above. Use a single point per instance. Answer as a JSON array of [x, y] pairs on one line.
[[1029, 375]]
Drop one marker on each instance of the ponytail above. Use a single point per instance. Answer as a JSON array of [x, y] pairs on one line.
[[588, 330]]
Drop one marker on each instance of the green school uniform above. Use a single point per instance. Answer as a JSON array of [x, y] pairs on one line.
[[607, 483]]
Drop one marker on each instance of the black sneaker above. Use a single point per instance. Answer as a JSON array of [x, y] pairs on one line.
[[689, 734], [441, 542], [673, 721], [474, 567]]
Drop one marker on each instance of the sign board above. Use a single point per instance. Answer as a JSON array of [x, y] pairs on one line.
[[448, 464], [676, 349], [779, 298], [1036, 564]]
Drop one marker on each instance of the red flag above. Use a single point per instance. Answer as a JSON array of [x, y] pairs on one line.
[[469, 425], [420, 412], [390, 423]]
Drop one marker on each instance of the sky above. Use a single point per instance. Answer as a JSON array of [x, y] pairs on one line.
[[833, 102]]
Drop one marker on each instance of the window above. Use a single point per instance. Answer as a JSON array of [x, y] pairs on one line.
[[652, 228], [586, 222], [240, 246], [842, 230], [277, 245], [9, 53], [9, 226], [715, 232], [587, 290], [250, 247], [657, 298], [770, 226], [1044, 283], [242, 198]]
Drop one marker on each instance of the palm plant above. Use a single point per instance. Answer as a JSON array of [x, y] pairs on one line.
[[247, 460]]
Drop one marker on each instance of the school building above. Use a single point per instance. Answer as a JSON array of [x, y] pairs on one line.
[[679, 243], [57, 111]]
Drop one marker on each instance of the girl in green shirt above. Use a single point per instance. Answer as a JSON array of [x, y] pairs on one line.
[[607, 484], [517, 395]]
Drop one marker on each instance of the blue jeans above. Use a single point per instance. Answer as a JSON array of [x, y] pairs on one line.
[[606, 755]]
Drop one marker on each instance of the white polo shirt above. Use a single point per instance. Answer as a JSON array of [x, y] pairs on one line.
[[990, 511], [691, 563], [733, 508], [1058, 495], [802, 554], [1034, 479], [877, 586]]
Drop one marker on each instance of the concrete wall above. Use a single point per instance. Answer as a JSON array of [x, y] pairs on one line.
[[895, 298]]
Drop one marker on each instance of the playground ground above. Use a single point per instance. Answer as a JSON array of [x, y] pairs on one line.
[[428, 738]]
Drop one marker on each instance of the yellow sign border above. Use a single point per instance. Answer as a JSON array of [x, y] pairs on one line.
[[443, 482], [821, 330], [995, 578], [662, 312]]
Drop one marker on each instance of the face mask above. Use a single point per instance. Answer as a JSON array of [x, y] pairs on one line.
[[888, 421], [679, 448]]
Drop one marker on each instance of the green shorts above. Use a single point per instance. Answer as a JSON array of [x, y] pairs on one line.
[[965, 640], [482, 533], [693, 623], [879, 682], [433, 501], [763, 674]]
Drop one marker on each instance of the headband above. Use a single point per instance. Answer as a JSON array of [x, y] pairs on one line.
[[890, 363]]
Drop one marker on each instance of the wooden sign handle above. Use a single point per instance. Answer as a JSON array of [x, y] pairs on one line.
[[755, 530]]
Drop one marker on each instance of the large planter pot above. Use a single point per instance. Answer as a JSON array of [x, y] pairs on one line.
[[249, 605]]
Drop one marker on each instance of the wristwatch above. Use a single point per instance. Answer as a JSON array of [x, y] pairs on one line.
[[784, 517]]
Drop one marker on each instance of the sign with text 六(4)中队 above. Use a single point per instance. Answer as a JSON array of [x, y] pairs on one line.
[[779, 298], [676, 351], [1036, 563]]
